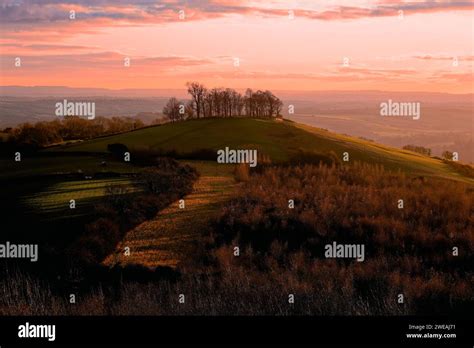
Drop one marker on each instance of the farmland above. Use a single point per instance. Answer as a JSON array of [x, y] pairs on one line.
[[56, 199]]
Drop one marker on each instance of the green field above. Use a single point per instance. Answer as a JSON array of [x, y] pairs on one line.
[[41, 187], [279, 140], [85, 192], [34, 166]]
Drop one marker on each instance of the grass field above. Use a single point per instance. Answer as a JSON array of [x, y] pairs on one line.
[[279, 140], [56, 198], [170, 238], [37, 190], [34, 166]]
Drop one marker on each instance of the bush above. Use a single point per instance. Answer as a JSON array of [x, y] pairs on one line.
[[117, 150], [420, 149], [405, 249], [463, 169], [312, 157], [168, 176], [99, 240], [242, 172]]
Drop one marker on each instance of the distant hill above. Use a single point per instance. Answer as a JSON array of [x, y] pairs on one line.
[[64, 91], [16, 110], [279, 140]]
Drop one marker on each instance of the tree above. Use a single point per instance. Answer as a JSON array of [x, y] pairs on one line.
[[448, 155], [189, 110], [117, 149], [248, 102], [38, 135], [220, 102], [172, 110], [217, 107], [198, 93], [420, 149], [237, 103]]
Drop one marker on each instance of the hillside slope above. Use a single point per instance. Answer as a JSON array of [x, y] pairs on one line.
[[279, 140]]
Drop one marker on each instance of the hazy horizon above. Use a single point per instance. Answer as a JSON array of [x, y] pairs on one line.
[[43, 91]]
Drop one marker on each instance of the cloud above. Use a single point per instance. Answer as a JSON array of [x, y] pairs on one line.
[[443, 57], [338, 75], [17, 49], [458, 77], [99, 62], [376, 72], [50, 18]]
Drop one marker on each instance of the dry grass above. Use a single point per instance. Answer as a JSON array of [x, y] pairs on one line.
[[162, 184], [408, 251], [242, 172], [170, 237]]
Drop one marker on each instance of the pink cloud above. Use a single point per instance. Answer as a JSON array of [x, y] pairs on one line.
[[441, 57], [50, 19]]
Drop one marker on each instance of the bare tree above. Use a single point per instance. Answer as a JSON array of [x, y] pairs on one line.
[[273, 105], [248, 102], [189, 110], [216, 95], [219, 102], [198, 93], [172, 110]]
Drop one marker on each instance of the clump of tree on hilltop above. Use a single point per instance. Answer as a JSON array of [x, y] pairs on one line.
[[223, 102]]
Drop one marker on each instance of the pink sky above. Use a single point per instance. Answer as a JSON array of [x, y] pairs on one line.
[[390, 45]]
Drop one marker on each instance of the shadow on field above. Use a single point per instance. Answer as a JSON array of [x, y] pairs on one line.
[[72, 243]]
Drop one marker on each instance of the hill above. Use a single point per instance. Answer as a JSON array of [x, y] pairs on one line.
[[17, 110], [279, 140]]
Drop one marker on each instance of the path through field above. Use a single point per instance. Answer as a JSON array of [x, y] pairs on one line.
[[170, 236]]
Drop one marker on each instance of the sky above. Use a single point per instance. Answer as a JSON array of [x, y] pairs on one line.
[[423, 45]]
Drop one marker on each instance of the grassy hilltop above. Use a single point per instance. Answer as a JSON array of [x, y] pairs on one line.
[[279, 140]]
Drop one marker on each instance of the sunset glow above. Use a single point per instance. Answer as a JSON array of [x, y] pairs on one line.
[[279, 45]]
